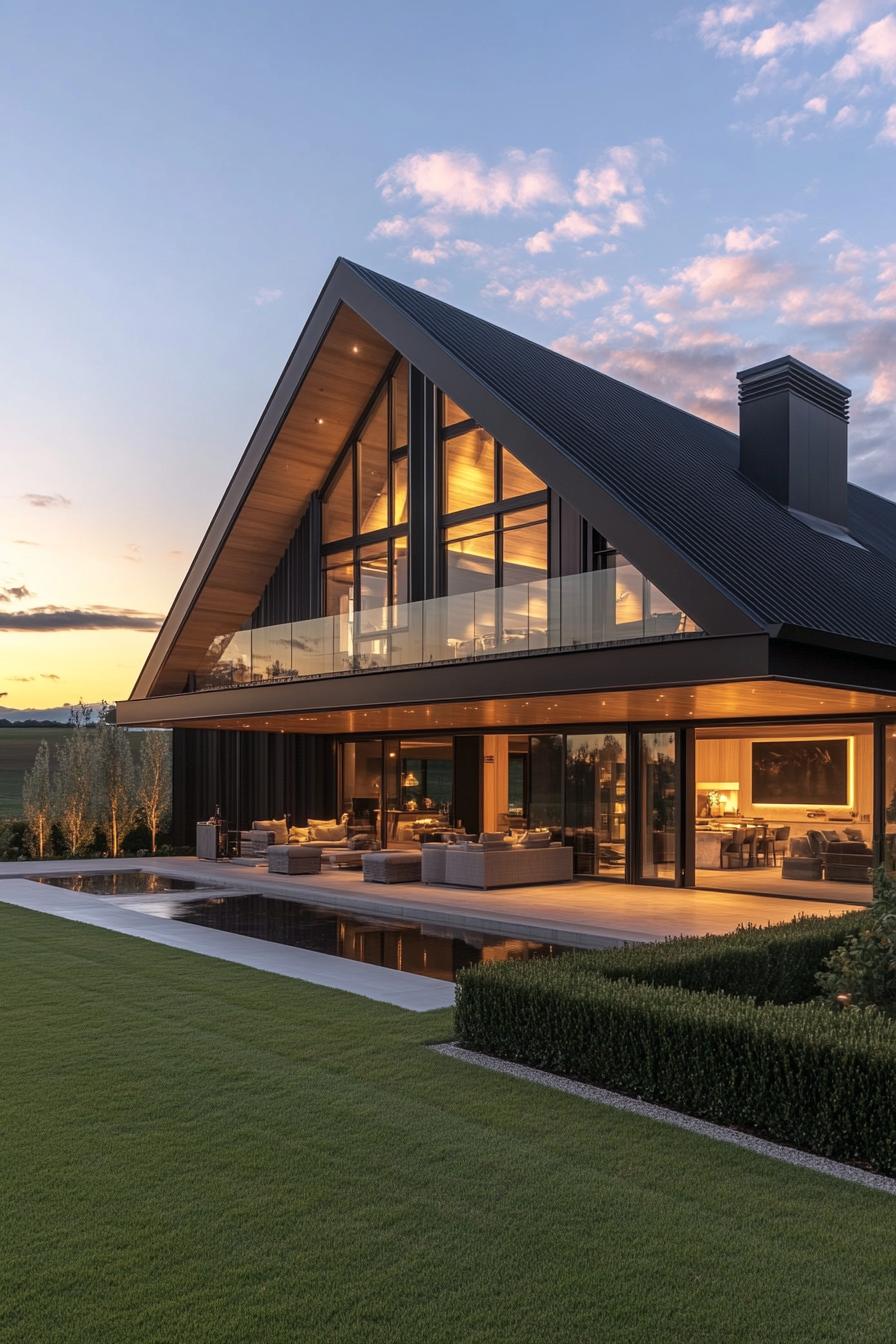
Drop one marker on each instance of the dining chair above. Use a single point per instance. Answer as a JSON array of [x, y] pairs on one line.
[[735, 846]]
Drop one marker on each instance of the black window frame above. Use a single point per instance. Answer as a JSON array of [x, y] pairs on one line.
[[497, 509], [356, 541]]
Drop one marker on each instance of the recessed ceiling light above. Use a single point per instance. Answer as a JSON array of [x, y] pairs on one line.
[[320, 420]]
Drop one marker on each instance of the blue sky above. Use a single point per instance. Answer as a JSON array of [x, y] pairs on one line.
[[668, 194]]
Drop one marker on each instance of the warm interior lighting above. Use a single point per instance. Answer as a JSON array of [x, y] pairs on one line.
[[319, 420]]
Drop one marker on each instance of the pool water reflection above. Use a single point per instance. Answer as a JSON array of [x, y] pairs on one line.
[[400, 944], [134, 883]]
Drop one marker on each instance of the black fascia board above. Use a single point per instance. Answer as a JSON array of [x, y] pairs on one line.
[[675, 662]]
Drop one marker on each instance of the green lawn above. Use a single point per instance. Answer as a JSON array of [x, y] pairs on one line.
[[194, 1151]]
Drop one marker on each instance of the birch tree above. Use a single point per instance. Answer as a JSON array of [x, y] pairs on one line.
[[116, 785], [154, 781], [37, 799], [74, 789]]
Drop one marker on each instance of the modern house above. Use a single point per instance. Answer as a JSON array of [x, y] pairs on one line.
[[459, 577]]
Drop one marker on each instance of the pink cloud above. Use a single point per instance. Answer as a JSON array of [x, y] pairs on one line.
[[888, 131], [828, 21], [458, 182], [740, 281], [549, 294], [874, 51], [746, 239]]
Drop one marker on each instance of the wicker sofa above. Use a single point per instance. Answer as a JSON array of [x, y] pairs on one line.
[[506, 865]]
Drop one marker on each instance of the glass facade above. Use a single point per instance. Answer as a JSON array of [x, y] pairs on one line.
[[494, 512], [419, 789], [596, 810], [546, 771], [365, 512], [339, 520], [659, 805], [372, 452], [361, 783]]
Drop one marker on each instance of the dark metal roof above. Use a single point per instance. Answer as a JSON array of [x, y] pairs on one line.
[[680, 475]]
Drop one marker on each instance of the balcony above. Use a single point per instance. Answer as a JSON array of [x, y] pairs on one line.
[[578, 611]]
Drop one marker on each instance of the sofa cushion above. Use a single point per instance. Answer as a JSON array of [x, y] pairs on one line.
[[280, 829], [493, 840], [537, 839], [299, 834], [322, 821], [329, 831]]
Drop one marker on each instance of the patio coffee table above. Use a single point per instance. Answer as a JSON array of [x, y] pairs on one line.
[[346, 858], [392, 865], [293, 859]]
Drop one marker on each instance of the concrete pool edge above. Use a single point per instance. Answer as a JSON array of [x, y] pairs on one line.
[[402, 989]]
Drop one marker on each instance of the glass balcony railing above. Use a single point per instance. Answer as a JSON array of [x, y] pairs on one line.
[[573, 612]]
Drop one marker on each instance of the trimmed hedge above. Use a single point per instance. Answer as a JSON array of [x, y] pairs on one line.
[[802, 1075], [774, 964]]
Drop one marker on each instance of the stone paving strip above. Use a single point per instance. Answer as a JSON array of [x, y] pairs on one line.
[[779, 1152]]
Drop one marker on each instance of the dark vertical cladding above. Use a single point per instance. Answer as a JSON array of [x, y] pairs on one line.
[[468, 782], [292, 593], [249, 775], [423, 493], [793, 437]]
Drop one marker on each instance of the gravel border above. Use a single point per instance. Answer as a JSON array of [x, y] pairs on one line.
[[794, 1156]]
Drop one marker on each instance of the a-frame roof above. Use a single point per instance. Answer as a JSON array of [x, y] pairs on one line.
[[680, 475], [663, 484]]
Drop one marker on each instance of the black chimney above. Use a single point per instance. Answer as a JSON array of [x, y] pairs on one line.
[[793, 423]]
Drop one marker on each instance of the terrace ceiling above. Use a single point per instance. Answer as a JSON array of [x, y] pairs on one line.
[[760, 699]]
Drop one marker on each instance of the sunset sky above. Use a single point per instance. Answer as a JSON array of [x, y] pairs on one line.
[[667, 194]]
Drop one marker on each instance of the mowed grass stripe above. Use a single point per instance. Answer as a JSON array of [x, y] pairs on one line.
[[198, 1151]]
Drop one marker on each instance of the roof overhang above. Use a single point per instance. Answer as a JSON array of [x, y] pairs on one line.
[[628, 681], [751, 700]]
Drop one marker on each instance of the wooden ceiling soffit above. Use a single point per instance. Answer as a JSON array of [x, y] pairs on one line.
[[281, 468], [751, 700]]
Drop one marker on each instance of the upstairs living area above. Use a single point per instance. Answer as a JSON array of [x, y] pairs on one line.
[[460, 584]]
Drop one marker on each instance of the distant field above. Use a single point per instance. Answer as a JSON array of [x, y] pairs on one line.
[[18, 748]]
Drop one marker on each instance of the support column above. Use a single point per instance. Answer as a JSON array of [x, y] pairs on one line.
[[423, 489], [495, 779]]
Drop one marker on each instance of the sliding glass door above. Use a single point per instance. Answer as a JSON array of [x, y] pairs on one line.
[[659, 807], [546, 761], [596, 803]]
